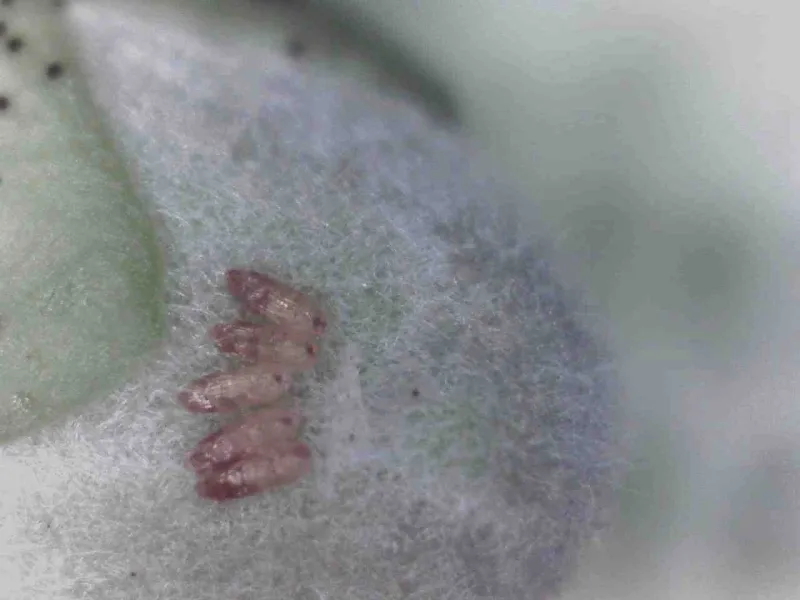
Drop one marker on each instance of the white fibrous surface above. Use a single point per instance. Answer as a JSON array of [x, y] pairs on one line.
[[460, 414]]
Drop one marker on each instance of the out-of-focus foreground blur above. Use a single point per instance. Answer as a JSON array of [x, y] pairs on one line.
[[659, 140]]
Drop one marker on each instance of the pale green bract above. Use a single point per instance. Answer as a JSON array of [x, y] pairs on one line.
[[81, 281]]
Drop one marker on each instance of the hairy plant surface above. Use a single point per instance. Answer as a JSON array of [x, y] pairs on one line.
[[460, 416]]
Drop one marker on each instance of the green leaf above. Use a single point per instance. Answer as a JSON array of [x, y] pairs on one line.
[[80, 272]]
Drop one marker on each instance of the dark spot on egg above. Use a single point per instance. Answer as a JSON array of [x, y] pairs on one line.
[[415, 393], [54, 70], [5, 103], [133, 573], [278, 377], [15, 44]]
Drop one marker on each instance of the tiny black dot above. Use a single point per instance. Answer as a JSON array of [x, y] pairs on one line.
[[415, 393], [133, 573], [15, 44], [4, 103], [278, 377], [311, 350], [54, 70], [296, 48]]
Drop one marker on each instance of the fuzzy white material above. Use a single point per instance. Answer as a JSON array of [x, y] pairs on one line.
[[459, 417]]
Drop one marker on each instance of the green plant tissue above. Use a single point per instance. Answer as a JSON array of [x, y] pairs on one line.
[[460, 419], [81, 278]]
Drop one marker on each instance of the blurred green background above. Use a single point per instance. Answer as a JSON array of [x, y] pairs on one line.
[[658, 141]]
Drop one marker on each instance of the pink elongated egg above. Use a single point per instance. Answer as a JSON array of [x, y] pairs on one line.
[[244, 437], [277, 301], [227, 391], [280, 464]]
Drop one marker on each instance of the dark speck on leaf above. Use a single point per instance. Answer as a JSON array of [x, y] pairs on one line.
[[54, 70], [296, 48], [15, 44]]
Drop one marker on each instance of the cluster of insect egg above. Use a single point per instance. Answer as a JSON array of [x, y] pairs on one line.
[[260, 450]]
